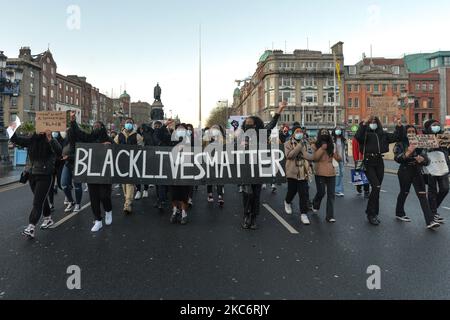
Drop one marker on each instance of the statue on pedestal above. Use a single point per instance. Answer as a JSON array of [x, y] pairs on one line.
[[157, 92], [157, 112]]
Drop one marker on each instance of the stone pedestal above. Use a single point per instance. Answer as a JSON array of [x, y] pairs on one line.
[[157, 112]]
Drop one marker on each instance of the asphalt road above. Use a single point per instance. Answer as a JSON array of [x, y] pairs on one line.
[[143, 256]]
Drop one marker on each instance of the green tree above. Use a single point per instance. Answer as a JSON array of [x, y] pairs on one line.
[[27, 128], [219, 115]]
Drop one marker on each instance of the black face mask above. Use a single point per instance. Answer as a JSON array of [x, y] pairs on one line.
[[249, 127]]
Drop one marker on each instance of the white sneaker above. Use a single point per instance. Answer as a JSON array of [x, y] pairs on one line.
[[48, 222], [145, 194], [66, 202], [339, 195], [433, 225], [305, 220], [77, 208], [287, 208], [241, 189], [138, 196], [264, 186], [108, 218], [69, 207], [29, 231], [97, 226]]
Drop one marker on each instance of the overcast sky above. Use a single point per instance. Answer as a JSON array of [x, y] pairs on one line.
[[138, 43]]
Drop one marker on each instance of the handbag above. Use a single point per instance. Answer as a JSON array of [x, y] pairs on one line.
[[336, 167], [438, 165], [359, 164]]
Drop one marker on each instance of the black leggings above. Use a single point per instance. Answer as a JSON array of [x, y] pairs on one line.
[[218, 188], [41, 186], [252, 199], [330, 184], [100, 194], [301, 187], [436, 197], [407, 176], [375, 175]]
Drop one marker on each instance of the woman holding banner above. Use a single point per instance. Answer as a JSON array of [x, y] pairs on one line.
[[412, 161], [374, 142], [43, 151], [437, 180], [99, 194], [216, 137], [252, 193], [180, 194]]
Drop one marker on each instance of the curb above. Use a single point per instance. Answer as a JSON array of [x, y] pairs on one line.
[[9, 183]]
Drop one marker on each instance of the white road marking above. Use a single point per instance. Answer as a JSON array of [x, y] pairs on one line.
[[280, 219], [446, 208], [11, 187], [383, 191], [70, 216]]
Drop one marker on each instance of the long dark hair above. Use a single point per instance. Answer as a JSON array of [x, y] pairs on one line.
[[324, 137], [333, 134], [380, 126], [39, 149], [259, 124]]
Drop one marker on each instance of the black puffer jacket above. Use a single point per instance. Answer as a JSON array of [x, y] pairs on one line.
[[40, 167]]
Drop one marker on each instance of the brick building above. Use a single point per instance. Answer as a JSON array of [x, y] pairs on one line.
[[423, 97], [374, 82], [68, 95]]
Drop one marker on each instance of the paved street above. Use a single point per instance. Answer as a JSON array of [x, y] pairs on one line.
[[144, 257]]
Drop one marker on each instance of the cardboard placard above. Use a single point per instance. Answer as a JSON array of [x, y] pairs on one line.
[[444, 140], [423, 141], [51, 120], [384, 106]]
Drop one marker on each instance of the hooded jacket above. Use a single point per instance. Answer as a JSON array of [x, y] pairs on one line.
[[376, 142]]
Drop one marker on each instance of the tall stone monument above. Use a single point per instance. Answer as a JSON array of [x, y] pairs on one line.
[[157, 112]]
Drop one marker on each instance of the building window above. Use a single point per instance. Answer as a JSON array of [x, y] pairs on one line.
[[309, 96], [349, 102], [417, 86], [446, 61], [368, 87], [430, 103], [78, 91], [356, 87], [44, 79], [424, 87], [67, 88], [286, 65], [71, 89], [403, 87], [396, 69], [328, 97], [434, 62], [13, 101], [395, 88], [31, 87], [287, 95], [44, 91], [44, 67], [31, 74], [349, 88], [352, 70], [385, 87], [31, 101], [309, 82], [356, 102], [51, 93], [71, 100], [368, 102], [376, 88], [416, 103], [67, 99], [77, 102], [52, 70], [350, 120], [431, 87], [284, 82]]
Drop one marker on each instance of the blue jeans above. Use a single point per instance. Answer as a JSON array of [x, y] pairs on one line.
[[66, 183], [340, 178]]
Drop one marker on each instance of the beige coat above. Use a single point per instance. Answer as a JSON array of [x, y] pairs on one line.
[[323, 164], [297, 167]]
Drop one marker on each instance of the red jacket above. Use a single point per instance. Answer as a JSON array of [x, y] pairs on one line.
[[357, 154]]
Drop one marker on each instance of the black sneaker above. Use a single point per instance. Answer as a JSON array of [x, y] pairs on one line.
[[126, 212], [246, 223], [373, 220], [403, 218], [173, 218], [433, 225], [439, 219], [29, 232]]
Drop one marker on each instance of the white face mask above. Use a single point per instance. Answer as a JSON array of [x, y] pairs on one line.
[[181, 133], [63, 134], [373, 126], [55, 135]]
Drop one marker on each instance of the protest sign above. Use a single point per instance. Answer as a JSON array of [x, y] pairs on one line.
[[51, 120], [386, 108], [423, 141], [13, 127], [108, 164]]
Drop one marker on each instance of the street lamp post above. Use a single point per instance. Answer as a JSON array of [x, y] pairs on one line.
[[9, 78]]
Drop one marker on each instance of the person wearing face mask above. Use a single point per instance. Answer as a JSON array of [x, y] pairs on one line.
[[129, 136], [252, 193], [284, 134], [43, 151], [412, 161], [438, 187], [161, 137], [179, 194], [216, 138], [99, 194], [342, 149], [374, 142], [298, 173], [358, 156], [325, 173], [146, 131], [190, 137]]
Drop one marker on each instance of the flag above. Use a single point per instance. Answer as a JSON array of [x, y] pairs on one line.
[[338, 71]]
